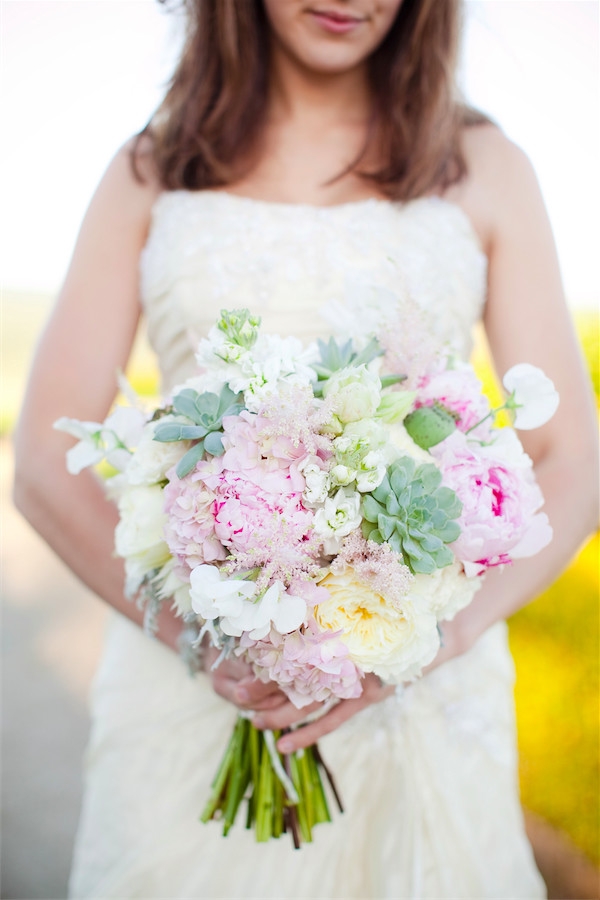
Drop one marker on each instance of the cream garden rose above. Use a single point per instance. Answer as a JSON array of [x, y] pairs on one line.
[[392, 640]]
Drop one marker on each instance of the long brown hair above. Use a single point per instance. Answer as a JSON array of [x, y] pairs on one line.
[[215, 106]]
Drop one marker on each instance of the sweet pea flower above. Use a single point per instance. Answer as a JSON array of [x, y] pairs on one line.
[[533, 396], [235, 604]]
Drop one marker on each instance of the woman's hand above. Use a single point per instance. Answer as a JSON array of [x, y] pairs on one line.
[[286, 714], [234, 680]]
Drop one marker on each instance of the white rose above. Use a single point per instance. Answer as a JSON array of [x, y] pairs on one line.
[[339, 516], [139, 534]]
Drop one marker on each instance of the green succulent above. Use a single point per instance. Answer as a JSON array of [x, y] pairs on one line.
[[205, 412], [336, 356], [414, 514]]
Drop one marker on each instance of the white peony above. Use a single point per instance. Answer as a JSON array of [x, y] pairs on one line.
[[533, 396], [234, 603], [139, 534]]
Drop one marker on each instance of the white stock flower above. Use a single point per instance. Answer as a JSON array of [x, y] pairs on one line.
[[317, 481], [139, 534], [233, 602], [356, 392], [533, 396], [339, 516]]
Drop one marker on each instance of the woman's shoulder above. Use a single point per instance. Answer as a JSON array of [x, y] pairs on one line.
[[131, 181], [498, 181]]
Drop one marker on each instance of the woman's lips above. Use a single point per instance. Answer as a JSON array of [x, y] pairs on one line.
[[335, 23]]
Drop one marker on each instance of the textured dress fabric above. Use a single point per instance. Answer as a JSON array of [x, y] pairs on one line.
[[429, 776]]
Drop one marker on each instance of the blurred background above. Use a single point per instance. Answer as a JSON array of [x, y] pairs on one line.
[[78, 79]]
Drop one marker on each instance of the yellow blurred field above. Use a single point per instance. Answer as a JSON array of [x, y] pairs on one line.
[[555, 640]]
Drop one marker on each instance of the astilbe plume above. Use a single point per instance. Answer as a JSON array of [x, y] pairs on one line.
[[376, 565], [309, 666], [410, 346], [294, 414]]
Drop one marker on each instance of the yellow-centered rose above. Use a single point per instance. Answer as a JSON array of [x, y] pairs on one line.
[[394, 641]]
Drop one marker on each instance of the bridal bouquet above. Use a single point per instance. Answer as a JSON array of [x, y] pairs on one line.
[[319, 519]]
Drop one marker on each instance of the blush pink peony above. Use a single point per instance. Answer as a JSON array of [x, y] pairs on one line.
[[500, 519]]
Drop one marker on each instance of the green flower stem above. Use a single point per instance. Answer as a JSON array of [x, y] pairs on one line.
[[510, 404], [322, 813], [240, 775], [248, 769], [303, 821], [264, 823], [220, 780]]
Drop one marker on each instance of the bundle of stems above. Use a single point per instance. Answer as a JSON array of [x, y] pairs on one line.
[[284, 792]]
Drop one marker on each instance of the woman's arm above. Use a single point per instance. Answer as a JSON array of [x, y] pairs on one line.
[[526, 320], [87, 340]]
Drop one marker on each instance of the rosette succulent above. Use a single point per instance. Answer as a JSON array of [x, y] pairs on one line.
[[414, 514]]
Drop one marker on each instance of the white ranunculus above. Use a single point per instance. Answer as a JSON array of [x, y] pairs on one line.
[[139, 534], [233, 602], [356, 392], [342, 475], [533, 396], [339, 516], [152, 459]]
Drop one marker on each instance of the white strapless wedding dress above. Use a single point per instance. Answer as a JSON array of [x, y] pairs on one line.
[[429, 778]]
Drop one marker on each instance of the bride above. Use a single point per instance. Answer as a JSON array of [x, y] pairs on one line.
[[305, 145]]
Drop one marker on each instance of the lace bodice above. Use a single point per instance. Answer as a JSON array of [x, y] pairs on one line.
[[288, 263]]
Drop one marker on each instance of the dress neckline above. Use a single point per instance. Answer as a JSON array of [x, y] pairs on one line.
[[399, 206]]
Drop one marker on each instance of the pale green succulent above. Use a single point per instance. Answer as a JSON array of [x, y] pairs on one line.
[[336, 356], [414, 514], [205, 412]]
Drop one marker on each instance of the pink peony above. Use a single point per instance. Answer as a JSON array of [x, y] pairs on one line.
[[190, 528], [308, 666], [500, 519], [459, 391]]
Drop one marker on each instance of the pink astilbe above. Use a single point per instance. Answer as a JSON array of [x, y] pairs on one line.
[[190, 529], [410, 345], [376, 565], [308, 666], [294, 415]]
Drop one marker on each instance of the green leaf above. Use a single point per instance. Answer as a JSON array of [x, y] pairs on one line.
[[371, 508], [213, 443], [174, 431], [187, 462], [386, 525]]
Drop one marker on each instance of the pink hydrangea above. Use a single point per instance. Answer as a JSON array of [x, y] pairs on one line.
[[458, 390], [190, 529], [308, 666], [500, 519]]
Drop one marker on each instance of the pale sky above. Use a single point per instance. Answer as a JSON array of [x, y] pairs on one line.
[[80, 76]]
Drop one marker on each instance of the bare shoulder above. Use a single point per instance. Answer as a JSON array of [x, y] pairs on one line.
[[130, 184], [499, 181]]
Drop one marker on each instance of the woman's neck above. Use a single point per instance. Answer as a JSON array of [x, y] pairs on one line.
[[315, 98]]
